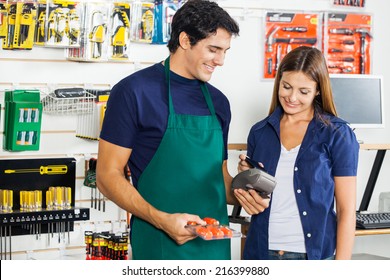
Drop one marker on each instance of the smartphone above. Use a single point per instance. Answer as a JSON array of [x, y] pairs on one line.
[[253, 163]]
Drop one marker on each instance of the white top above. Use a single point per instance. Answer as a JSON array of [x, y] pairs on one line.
[[285, 227]]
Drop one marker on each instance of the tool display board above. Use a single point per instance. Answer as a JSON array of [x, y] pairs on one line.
[[30, 175]]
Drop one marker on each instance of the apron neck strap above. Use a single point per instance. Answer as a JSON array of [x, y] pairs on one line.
[[203, 87]]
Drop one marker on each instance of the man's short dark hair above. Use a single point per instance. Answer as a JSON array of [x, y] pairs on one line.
[[199, 19]]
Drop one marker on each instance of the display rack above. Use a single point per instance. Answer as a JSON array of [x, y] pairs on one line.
[[38, 175], [53, 104], [18, 218]]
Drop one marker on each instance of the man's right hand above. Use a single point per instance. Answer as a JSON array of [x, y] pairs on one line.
[[175, 226]]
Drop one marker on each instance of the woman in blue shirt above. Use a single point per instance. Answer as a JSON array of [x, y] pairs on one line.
[[314, 156]]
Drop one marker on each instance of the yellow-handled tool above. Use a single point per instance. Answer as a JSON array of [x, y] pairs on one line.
[[43, 170]]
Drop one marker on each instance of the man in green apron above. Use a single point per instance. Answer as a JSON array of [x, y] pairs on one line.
[[170, 127]]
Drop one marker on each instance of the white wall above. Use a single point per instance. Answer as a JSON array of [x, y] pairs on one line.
[[240, 79]]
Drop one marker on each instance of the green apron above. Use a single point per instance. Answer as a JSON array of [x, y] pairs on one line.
[[184, 176]]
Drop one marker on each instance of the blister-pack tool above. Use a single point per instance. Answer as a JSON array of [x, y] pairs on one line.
[[255, 178], [213, 230]]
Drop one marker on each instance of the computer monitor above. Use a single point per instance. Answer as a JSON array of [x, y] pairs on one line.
[[359, 99]]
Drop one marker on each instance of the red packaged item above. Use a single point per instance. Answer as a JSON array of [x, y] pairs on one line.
[[204, 232], [210, 221], [285, 31], [213, 230], [347, 43]]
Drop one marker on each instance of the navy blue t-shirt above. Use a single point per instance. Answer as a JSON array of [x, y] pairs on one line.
[[137, 112]]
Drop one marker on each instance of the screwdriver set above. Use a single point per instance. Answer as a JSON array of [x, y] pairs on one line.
[[38, 197], [285, 31], [348, 43]]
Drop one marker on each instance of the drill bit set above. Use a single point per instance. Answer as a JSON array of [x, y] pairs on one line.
[[347, 43]]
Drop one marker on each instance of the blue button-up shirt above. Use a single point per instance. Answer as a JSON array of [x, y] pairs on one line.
[[327, 150]]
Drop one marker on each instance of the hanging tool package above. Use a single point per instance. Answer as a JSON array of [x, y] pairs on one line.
[[284, 32], [348, 43]]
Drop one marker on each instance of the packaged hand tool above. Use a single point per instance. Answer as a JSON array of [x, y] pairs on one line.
[[20, 25], [164, 11], [9, 25], [88, 244], [213, 230], [97, 34], [63, 24], [119, 30], [94, 38], [142, 21], [348, 42], [40, 23], [97, 199], [3, 20], [285, 31], [69, 92], [90, 178]]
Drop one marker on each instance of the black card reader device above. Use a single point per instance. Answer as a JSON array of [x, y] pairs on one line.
[[255, 178]]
